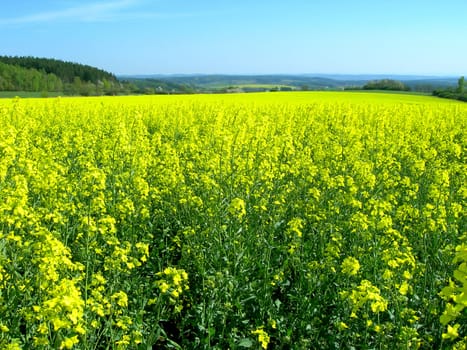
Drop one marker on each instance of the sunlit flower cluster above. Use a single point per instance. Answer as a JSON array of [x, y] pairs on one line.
[[173, 283]]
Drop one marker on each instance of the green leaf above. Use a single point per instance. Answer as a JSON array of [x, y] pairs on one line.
[[212, 331], [245, 343]]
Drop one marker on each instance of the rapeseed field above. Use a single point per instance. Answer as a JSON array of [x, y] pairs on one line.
[[261, 221]]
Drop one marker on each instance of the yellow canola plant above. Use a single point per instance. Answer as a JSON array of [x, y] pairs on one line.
[[295, 220]]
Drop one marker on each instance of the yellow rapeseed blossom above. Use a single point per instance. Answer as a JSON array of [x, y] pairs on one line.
[[295, 227], [263, 337], [451, 332], [14, 345], [173, 282], [365, 293], [120, 298], [68, 343], [342, 326], [237, 208], [350, 266]]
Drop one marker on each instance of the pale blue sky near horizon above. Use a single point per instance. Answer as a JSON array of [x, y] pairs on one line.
[[242, 37]]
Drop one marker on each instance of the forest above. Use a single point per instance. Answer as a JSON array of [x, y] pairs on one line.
[[50, 75], [457, 93]]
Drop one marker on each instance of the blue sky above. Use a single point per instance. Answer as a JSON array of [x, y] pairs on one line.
[[242, 36]]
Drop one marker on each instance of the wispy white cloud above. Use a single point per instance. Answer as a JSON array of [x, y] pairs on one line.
[[95, 12]]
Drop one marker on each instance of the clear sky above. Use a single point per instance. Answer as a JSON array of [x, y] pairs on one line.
[[242, 36]]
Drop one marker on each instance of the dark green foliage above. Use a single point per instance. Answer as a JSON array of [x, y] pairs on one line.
[[31, 74], [223, 83], [460, 85], [66, 71], [455, 94], [386, 84], [15, 78], [149, 86]]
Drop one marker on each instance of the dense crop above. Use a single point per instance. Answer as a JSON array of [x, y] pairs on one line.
[[262, 221]]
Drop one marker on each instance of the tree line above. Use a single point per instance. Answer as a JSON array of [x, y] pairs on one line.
[[457, 93], [14, 78], [383, 84], [386, 84], [66, 71], [51, 75]]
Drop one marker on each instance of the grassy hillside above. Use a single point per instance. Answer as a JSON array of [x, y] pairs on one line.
[[34, 75]]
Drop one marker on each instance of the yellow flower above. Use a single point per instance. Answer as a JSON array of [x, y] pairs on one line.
[[237, 208], [177, 279], [163, 286], [387, 274], [342, 325], [123, 343], [137, 337], [273, 324], [99, 279], [404, 288], [451, 333], [40, 341], [80, 329], [407, 275], [124, 322], [175, 293], [68, 343], [121, 298], [379, 305], [14, 345], [143, 249], [59, 323], [263, 337], [366, 292], [295, 227], [350, 266], [43, 329]]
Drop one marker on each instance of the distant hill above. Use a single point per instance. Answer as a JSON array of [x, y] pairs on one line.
[[223, 83], [33, 74], [66, 71], [159, 86], [43, 75]]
